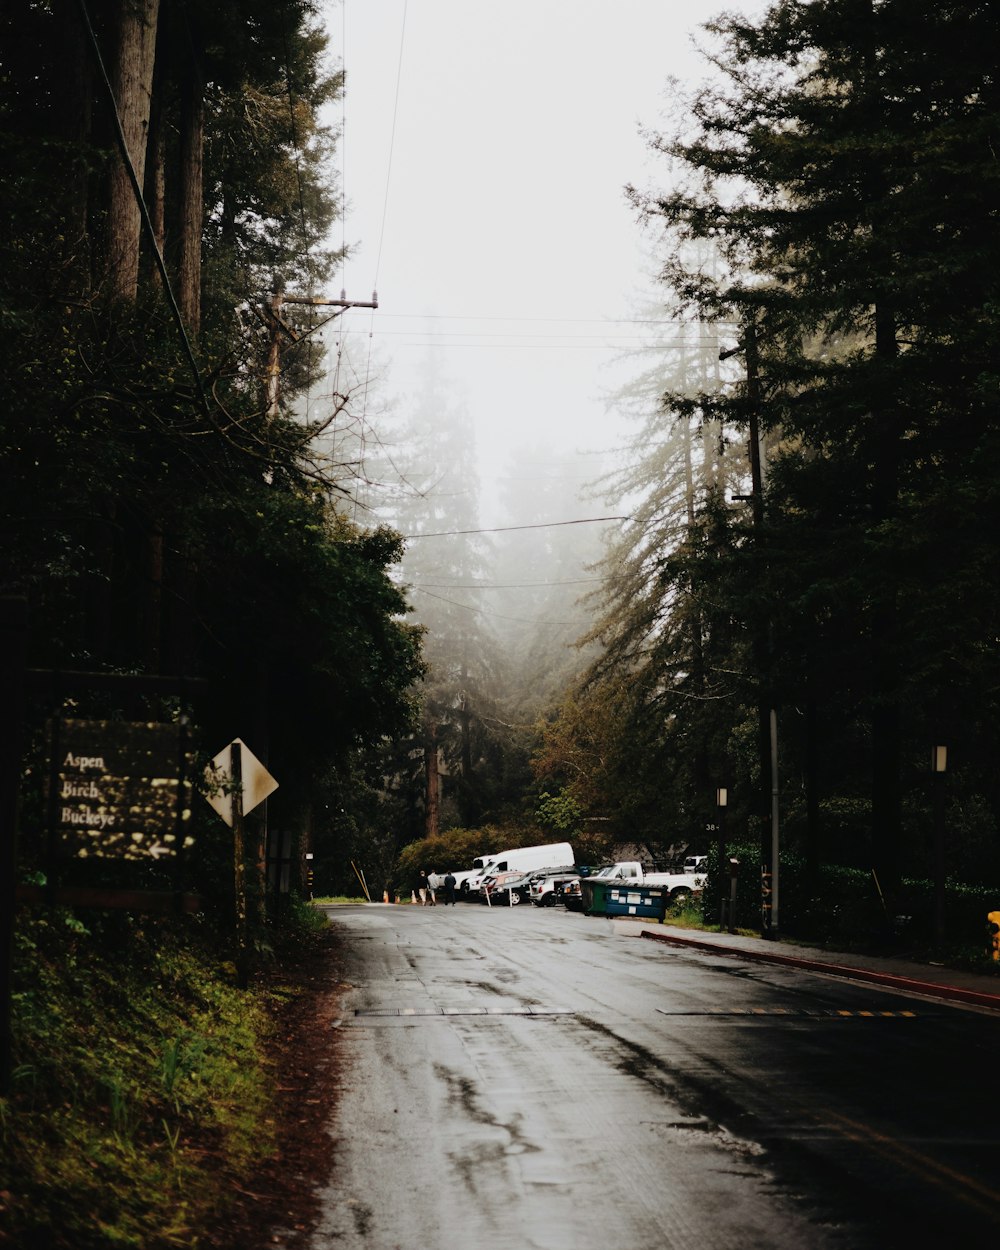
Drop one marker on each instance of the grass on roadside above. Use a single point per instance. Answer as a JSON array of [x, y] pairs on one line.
[[140, 1090]]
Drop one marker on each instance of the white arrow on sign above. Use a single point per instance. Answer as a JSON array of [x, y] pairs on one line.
[[257, 781]]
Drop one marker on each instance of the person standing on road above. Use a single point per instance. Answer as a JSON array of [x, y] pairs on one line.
[[449, 889], [422, 887], [433, 884]]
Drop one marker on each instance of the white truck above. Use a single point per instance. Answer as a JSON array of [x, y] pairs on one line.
[[522, 858], [631, 871]]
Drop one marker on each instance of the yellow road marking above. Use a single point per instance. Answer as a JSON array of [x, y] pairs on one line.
[[965, 1188]]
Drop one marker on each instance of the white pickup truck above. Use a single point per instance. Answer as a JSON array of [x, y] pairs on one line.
[[678, 883]]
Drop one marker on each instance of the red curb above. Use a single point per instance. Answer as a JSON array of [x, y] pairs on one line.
[[978, 997]]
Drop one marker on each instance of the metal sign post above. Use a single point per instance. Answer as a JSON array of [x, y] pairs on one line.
[[239, 862], [238, 782]]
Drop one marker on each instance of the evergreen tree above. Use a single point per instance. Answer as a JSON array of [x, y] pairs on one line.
[[843, 170], [156, 516], [543, 571], [434, 502]]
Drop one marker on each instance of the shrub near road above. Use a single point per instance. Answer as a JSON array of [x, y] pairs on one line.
[[142, 1098]]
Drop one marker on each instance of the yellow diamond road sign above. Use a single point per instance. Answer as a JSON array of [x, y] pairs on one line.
[[257, 781]]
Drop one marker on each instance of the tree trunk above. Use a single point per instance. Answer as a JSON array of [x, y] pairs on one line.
[[156, 182], [432, 813], [74, 65], [132, 80], [465, 722], [191, 202], [886, 727]]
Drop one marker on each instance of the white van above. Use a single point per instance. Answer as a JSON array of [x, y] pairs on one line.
[[522, 858]]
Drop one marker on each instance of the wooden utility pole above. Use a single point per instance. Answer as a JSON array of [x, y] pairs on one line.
[[767, 720], [279, 327]]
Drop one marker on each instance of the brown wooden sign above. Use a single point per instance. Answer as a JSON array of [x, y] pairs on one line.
[[118, 790]]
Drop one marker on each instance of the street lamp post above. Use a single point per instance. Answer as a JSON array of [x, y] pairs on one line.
[[767, 722], [721, 803], [939, 766]]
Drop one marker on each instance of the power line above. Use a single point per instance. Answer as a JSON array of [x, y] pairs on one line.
[[602, 321], [573, 581], [520, 620], [514, 334], [392, 143], [502, 529], [506, 334], [424, 338], [381, 234], [544, 347]]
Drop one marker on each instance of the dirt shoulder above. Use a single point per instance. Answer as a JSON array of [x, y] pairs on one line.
[[280, 1205]]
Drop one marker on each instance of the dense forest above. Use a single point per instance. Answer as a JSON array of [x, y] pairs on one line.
[[803, 602], [799, 610], [166, 199], [813, 552], [167, 195]]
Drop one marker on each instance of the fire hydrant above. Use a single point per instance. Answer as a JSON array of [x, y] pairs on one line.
[[993, 929]]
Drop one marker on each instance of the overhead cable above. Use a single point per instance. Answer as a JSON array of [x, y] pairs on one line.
[[502, 529]]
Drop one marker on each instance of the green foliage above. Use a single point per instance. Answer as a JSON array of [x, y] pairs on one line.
[[159, 522], [134, 1055], [829, 216], [559, 813], [161, 516], [686, 912], [844, 908]]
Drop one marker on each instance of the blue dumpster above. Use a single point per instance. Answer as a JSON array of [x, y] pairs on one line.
[[612, 898]]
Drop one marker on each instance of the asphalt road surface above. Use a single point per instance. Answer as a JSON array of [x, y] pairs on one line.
[[526, 1078]]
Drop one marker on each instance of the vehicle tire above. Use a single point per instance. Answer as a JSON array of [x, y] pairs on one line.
[[515, 897], [464, 887], [680, 895]]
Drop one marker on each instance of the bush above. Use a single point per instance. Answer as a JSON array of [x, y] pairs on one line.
[[453, 850], [843, 907]]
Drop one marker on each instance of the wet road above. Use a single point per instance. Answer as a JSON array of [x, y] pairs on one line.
[[526, 1078]]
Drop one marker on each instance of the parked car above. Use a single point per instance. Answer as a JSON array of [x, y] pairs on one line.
[[678, 884], [572, 895], [524, 858], [546, 889], [506, 888]]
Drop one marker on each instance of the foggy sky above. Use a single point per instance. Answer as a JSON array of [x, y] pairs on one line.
[[484, 155]]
